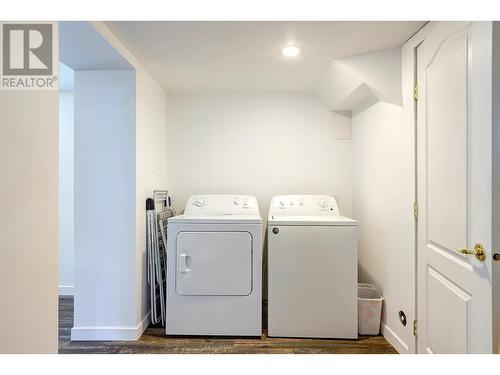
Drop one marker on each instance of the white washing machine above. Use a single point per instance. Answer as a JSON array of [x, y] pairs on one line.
[[312, 269], [214, 267]]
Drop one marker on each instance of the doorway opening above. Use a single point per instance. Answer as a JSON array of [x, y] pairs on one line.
[[97, 183]]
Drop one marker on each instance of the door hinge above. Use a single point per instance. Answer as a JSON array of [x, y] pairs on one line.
[[415, 210], [415, 92], [415, 332]]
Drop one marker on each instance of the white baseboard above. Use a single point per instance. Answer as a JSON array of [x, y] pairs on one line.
[[66, 290], [110, 333], [394, 340], [144, 323]]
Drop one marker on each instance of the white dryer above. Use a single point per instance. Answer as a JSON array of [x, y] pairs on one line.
[[312, 268], [214, 267]]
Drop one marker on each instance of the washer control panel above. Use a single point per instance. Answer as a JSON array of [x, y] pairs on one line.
[[304, 205], [216, 204]]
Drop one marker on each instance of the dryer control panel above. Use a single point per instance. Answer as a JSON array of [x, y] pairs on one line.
[[316, 205], [226, 204]]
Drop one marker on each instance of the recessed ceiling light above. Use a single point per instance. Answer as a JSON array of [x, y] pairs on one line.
[[290, 51]]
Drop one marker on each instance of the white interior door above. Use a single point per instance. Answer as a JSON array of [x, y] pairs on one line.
[[454, 188]]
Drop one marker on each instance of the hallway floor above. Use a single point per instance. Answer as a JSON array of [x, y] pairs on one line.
[[154, 341]]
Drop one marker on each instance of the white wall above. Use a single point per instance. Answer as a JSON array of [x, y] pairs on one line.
[[151, 160], [257, 144], [28, 221], [78, 40], [66, 189], [383, 195], [151, 156], [383, 138], [105, 256]]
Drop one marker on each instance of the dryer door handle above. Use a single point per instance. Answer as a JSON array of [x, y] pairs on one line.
[[183, 263]]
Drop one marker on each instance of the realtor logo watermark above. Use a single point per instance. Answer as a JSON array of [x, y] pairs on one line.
[[28, 59]]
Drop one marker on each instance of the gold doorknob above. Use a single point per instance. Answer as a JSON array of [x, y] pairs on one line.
[[478, 251]]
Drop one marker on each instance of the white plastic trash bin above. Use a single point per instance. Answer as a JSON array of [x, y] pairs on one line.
[[365, 285], [369, 309]]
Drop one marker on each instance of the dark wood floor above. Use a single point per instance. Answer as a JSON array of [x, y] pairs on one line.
[[155, 341]]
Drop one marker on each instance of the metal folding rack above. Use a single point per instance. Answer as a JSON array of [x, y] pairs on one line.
[[158, 210]]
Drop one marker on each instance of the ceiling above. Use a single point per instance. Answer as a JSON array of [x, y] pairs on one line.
[[81, 47], [246, 56]]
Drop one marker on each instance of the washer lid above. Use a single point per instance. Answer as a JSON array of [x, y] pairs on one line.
[[310, 220], [215, 219]]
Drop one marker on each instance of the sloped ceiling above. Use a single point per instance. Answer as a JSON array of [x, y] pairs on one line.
[[357, 81]]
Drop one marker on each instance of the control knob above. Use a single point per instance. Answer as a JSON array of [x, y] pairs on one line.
[[199, 202]]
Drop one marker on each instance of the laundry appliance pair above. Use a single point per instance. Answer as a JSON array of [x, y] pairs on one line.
[[214, 268]]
